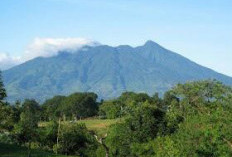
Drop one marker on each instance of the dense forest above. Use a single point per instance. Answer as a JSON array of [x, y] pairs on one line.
[[191, 119]]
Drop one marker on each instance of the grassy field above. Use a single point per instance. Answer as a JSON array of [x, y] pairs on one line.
[[99, 126], [8, 150]]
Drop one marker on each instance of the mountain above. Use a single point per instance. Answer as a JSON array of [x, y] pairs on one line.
[[106, 70]]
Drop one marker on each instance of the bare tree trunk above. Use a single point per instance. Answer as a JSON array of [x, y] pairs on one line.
[[74, 117], [106, 148], [63, 117], [101, 141], [228, 142], [58, 133], [29, 150]]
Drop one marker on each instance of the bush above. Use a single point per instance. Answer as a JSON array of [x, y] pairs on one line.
[[76, 140], [109, 110], [6, 138]]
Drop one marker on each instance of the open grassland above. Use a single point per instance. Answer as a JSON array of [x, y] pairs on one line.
[[99, 126]]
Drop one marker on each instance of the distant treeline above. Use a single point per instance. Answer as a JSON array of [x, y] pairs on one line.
[[72, 107]]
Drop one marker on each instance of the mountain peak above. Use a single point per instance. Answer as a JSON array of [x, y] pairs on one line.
[[150, 43]]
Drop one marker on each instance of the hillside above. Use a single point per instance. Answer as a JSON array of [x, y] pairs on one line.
[[105, 70]]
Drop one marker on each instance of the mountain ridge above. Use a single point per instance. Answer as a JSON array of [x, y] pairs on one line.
[[106, 70]]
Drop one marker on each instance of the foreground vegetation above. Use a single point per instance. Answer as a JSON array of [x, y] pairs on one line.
[[10, 150], [192, 119]]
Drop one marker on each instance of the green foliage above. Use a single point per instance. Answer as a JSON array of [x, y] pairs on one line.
[[119, 140], [74, 106], [165, 147], [142, 149], [128, 97], [207, 135], [10, 150], [48, 135], [51, 108], [192, 119], [144, 123], [3, 94], [76, 140], [123, 105], [9, 115], [81, 105], [26, 129], [100, 152], [5, 110], [200, 121], [109, 110]]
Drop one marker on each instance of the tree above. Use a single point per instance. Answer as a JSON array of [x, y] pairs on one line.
[[200, 97], [3, 94], [145, 122], [76, 140], [6, 111], [25, 131], [52, 108], [193, 120], [157, 100], [8, 117], [48, 134], [199, 135], [200, 121], [80, 105], [110, 109], [124, 104], [74, 106]]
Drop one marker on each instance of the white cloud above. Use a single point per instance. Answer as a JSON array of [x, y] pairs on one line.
[[7, 61], [45, 47]]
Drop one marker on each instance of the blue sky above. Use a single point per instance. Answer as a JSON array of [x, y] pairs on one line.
[[200, 30]]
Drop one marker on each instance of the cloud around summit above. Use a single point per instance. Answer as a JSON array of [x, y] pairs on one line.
[[45, 47]]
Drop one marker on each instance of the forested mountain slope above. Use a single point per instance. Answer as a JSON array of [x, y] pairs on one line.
[[105, 70]]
